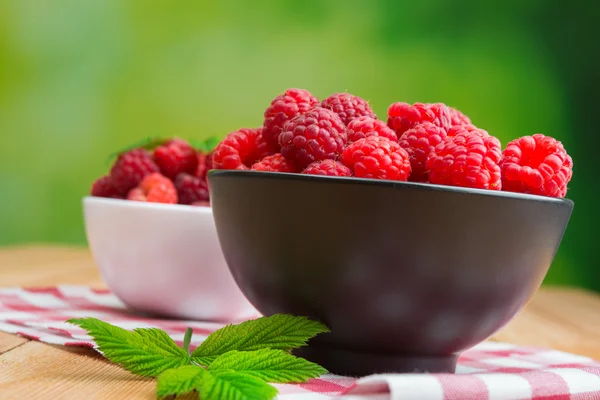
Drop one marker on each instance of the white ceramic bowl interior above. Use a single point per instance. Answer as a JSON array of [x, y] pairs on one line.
[[163, 259]]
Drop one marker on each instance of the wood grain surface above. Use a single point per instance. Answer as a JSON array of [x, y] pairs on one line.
[[561, 318]]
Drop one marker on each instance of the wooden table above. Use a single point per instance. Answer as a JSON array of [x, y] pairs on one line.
[[561, 318]]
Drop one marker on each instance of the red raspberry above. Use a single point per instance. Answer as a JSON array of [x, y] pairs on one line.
[[466, 160], [205, 164], [365, 126], [458, 118], [237, 150], [103, 187], [283, 108], [403, 116], [263, 149], [130, 168], [275, 163], [175, 157], [328, 167], [154, 188], [316, 135], [377, 157], [191, 189], [467, 129], [418, 143], [536, 164], [348, 106]]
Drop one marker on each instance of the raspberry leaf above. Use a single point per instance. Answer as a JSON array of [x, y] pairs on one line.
[[231, 385], [213, 385], [269, 365], [206, 145], [180, 380], [145, 352], [280, 332], [149, 143]]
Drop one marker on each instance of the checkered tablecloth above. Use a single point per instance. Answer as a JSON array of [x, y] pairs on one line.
[[490, 370]]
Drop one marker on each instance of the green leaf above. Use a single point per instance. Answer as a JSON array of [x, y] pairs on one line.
[[145, 352], [231, 385], [206, 145], [148, 143], [280, 331], [180, 380], [269, 365], [216, 385]]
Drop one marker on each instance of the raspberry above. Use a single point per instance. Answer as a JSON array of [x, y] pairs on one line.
[[403, 116], [466, 129], [175, 157], [154, 188], [316, 135], [377, 157], [536, 164], [348, 106], [283, 108], [103, 187], [205, 164], [130, 168], [365, 126], [191, 189], [275, 163], [263, 149], [418, 143], [238, 150], [328, 167], [458, 118], [466, 160]]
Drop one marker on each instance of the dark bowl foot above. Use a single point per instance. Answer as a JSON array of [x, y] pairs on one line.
[[354, 363]]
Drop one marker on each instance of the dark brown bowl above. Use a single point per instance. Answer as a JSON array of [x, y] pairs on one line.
[[406, 275]]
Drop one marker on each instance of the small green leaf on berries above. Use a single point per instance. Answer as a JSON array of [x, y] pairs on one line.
[[149, 143], [206, 145]]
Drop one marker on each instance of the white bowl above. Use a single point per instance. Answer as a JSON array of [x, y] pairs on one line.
[[163, 259]]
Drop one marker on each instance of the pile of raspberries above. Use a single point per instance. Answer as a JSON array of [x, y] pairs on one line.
[[341, 136], [170, 172]]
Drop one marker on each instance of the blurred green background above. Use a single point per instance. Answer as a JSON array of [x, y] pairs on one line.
[[81, 79]]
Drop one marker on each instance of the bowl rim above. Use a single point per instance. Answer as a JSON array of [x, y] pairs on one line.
[[389, 183], [108, 201]]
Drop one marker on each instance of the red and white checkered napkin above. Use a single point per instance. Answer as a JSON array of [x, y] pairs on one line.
[[487, 371]]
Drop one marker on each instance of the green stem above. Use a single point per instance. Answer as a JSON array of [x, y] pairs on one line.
[[186, 339]]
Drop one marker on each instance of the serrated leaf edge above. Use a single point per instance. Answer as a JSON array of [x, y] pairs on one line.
[[265, 329]]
